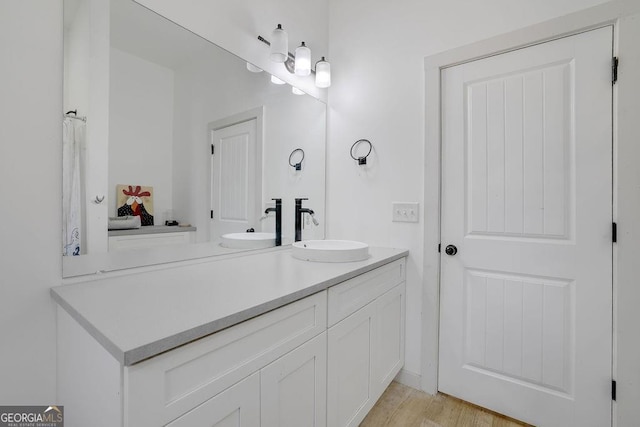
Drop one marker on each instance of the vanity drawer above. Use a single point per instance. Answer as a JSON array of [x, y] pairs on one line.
[[350, 296], [161, 389]]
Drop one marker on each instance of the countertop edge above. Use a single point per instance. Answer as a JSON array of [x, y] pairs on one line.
[[105, 342], [152, 349]]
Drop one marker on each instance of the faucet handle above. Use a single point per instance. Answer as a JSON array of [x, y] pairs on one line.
[[299, 199]]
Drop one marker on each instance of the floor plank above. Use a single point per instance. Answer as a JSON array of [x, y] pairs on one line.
[[402, 406]]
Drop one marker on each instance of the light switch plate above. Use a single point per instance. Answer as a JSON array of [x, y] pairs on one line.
[[405, 211]]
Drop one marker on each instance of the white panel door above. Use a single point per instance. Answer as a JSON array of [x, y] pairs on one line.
[[294, 387], [526, 303], [237, 406], [233, 179]]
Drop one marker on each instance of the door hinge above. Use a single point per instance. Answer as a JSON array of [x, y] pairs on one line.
[[614, 232], [439, 245], [614, 70], [213, 149], [613, 389], [211, 214]]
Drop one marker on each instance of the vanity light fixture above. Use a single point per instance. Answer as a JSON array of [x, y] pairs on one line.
[[253, 68], [279, 45], [303, 60], [276, 80], [300, 63], [323, 73]]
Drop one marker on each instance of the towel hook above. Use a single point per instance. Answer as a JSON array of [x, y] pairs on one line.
[[97, 200]]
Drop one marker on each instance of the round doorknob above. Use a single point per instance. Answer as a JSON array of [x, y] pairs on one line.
[[451, 250]]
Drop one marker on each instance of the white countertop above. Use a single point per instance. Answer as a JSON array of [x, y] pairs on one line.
[[140, 315], [153, 229]]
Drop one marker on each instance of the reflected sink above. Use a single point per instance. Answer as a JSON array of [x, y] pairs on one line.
[[330, 250], [248, 240]]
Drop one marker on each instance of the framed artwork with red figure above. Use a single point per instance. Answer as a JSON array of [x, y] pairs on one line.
[[135, 200]]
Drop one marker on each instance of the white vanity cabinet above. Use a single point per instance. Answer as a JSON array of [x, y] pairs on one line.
[[319, 361], [165, 387], [290, 392], [365, 342]]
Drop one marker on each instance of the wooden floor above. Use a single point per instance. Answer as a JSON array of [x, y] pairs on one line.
[[402, 406]]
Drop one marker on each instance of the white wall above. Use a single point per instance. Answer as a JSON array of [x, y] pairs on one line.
[[77, 52], [30, 185], [141, 129], [377, 54]]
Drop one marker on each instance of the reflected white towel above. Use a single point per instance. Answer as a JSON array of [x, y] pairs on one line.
[[71, 214], [124, 222]]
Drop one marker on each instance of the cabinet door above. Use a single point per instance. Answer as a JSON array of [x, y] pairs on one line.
[[388, 355], [237, 406], [349, 395], [293, 388]]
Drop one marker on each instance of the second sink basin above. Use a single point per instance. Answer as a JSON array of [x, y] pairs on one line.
[[248, 240], [330, 250]]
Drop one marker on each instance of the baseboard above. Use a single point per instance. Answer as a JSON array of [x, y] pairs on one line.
[[408, 378]]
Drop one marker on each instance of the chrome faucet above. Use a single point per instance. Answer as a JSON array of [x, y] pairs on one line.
[[300, 211], [278, 211]]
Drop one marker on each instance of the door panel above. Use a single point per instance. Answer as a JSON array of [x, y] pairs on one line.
[[237, 406], [525, 325], [233, 179], [294, 387]]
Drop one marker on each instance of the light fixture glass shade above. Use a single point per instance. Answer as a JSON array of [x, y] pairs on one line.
[[276, 80], [303, 60], [296, 91], [279, 45], [323, 73], [253, 68]]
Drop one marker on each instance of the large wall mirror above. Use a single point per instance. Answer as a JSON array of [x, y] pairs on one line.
[[162, 125]]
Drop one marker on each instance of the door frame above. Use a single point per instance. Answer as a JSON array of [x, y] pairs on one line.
[[625, 28]]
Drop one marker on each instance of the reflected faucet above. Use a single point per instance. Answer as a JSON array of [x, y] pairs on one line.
[[300, 211], [278, 211]]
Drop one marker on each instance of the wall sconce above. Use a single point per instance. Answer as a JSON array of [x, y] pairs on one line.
[[300, 63], [362, 160]]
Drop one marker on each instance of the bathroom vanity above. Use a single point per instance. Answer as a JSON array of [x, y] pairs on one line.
[[258, 340]]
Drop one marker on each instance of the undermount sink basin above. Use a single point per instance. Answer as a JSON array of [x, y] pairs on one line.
[[248, 240], [330, 250]]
